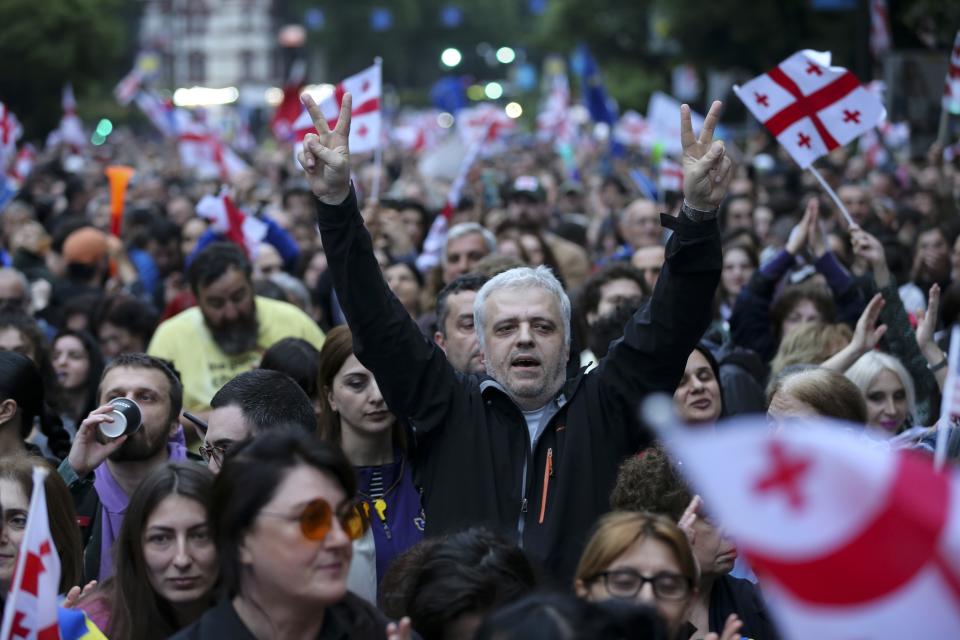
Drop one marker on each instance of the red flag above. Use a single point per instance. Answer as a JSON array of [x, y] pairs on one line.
[[848, 536], [366, 88], [31, 608], [289, 108], [809, 106]]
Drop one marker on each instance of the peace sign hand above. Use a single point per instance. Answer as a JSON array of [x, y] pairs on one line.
[[325, 156], [706, 168]]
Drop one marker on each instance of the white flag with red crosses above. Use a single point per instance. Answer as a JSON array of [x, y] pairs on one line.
[[809, 106], [366, 89], [31, 607], [849, 538]]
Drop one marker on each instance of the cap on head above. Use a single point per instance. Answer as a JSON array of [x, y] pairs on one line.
[[527, 186], [86, 246]]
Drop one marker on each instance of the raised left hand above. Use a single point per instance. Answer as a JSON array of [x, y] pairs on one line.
[[707, 170]]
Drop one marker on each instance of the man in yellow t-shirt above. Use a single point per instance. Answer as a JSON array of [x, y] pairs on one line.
[[229, 329]]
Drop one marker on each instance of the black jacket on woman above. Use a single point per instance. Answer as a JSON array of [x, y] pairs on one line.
[[350, 619], [474, 461]]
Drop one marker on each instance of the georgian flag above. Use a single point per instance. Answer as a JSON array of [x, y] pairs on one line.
[[202, 150], [632, 130], [849, 537], [10, 132], [418, 131], [670, 176], [951, 85], [70, 132], [366, 88], [809, 106], [663, 121], [227, 219], [483, 123], [555, 122], [31, 607]]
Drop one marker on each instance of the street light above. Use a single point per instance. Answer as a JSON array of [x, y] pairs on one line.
[[513, 110], [450, 57], [506, 55], [493, 90]]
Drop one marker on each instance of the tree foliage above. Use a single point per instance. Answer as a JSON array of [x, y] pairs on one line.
[[44, 45]]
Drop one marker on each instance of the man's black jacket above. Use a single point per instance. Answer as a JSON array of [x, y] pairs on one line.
[[475, 462]]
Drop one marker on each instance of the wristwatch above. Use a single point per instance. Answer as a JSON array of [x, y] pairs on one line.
[[936, 367], [697, 215]]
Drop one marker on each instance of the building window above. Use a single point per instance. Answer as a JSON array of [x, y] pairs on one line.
[[246, 65], [196, 16], [197, 67]]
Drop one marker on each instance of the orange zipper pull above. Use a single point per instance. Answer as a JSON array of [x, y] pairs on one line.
[[547, 473]]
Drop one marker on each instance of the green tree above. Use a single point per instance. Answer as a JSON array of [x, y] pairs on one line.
[[44, 45]]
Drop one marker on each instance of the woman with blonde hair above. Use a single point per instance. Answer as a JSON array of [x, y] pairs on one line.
[[888, 390], [811, 343]]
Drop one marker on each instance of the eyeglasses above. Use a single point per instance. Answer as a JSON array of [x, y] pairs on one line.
[[627, 583], [316, 519], [214, 452]]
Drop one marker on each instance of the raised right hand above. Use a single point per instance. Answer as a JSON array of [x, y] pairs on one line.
[[87, 452], [325, 156]]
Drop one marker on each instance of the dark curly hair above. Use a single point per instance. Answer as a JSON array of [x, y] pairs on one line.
[[650, 482]]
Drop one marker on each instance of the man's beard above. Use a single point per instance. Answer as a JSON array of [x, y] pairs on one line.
[[238, 336], [139, 447]]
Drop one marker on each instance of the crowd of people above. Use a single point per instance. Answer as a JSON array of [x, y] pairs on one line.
[[380, 421]]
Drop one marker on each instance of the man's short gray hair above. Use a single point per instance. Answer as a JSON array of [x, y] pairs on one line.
[[522, 278], [465, 229]]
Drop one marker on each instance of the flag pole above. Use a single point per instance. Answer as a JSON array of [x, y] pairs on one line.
[[833, 196], [942, 128], [378, 151], [39, 476], [949, 397]]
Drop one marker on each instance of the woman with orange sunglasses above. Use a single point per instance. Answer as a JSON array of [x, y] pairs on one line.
[[284, 520]]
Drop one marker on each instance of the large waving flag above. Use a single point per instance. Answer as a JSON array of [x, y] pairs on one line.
[[849, 537], [70, 132], [366, 88], [31, 608], [809, 106]]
